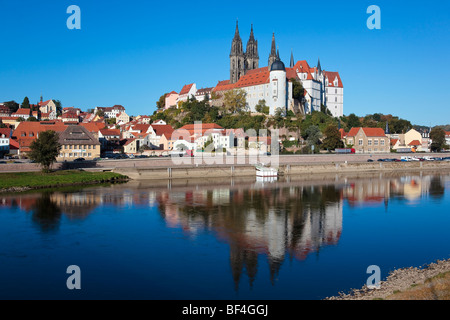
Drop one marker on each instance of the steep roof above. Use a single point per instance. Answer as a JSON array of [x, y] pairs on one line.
[[23, 111], [415, 143], [110, 132], [44, 103], [77, 135], [186, 89], [161, 129], [369, 132], [333, 76]]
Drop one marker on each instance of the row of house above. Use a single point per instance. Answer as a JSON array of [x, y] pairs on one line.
[[377, 140]]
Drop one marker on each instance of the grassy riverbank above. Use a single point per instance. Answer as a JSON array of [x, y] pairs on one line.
[[36, 180]]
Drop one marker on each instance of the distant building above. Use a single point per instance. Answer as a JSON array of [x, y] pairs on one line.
[[4, 111], [77, 142], [110, 112], [47, 106], [188, 91], [5, 135], [22, 113], [171, 100], [368, 140]]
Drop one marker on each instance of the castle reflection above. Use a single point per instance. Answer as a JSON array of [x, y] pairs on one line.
[[280, 221]]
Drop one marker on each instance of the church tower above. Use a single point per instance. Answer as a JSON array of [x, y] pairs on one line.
[[251, 54], [237, 57], [273, 52]]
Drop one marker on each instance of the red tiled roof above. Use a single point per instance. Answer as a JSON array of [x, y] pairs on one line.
[[369, 132], [186, 89], [91, 127], [23, 111], [140, 127], [224, 86], [253, 79], [161, 129], [394, 142], [331, 77], [415, 143], [6, 132], [44, 103], [110, 132], [171, 93], [129, 141]]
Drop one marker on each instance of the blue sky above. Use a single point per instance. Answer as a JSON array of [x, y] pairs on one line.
[[131, 52]]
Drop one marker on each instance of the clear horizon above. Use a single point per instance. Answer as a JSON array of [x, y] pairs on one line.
[[130, 53]]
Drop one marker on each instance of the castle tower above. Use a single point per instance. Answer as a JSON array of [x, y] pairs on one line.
[[273, 52], [237, 57], [251, 54], [278, 86]]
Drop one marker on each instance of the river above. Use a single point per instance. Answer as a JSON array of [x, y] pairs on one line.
[[232, 239]]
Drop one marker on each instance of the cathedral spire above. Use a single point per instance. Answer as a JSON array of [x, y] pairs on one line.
[[292, 59], [252, 36], [251, 54], [237, 57], [319, 67], [273, 52]]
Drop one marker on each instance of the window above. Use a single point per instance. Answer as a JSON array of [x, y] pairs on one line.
[[369, 142], [382, 142], [360, 142], [376, 142]]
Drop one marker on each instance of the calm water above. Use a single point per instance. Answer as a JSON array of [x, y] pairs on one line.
[[220, 239]]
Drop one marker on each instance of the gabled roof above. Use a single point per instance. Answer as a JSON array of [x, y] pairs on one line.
[[6, 132], [171, 93], [253, 79], [224, 85], [186, 89], [110, 132], [331, 76], [161, 129], [23, 111], [415, 143], [44, 103], [77, 135], [369, 132]]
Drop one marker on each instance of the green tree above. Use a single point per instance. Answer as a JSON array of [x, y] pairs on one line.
[[26, 103], [353, 121], [45, 149], [298, 92], [333, 138], [58, 105], [313, 136], [235, 100], [100, 113], [161, 103], [437, 135], [32, 119], [261, 106], [12, 105]]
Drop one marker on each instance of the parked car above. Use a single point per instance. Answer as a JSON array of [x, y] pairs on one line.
[[79, 160]]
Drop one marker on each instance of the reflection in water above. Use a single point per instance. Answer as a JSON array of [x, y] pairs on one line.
[[46, 213], [276, 220]]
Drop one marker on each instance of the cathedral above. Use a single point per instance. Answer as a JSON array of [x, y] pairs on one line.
[[241, 62], [272, 85]]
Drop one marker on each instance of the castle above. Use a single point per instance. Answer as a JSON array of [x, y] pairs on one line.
[[273, 84]]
